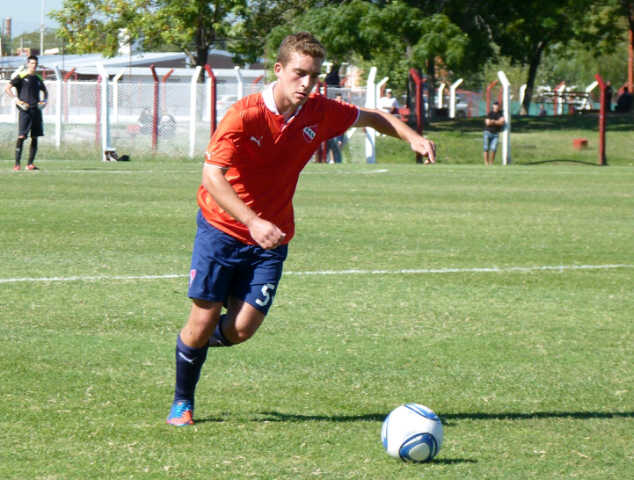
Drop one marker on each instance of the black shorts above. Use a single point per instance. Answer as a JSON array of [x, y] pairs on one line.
[[30, 121]]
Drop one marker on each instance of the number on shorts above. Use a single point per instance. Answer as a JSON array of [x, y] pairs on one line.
[[266, 293]]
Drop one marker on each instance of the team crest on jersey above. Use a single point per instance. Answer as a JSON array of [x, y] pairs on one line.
[[309, 133]]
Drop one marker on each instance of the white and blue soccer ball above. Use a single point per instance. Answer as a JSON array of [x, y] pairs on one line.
[[412, 432]]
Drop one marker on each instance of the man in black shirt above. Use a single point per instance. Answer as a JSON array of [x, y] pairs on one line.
[[494, 122], [624, 102], [28, 86]]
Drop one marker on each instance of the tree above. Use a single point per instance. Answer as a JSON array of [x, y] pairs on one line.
[[193, 26], [394, 36], [609, 24], [525, 30], [32, 40]]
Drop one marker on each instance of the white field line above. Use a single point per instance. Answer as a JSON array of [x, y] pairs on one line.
[[413, 271]]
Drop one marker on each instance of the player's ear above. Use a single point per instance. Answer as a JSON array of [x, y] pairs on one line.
[[277, 68]]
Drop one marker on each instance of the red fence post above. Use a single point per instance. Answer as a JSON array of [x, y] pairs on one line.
[[155, 112], [419, 110], [602, 160], [164, 90], [630, 61], [489, 88], [213, 97], [557, 98]]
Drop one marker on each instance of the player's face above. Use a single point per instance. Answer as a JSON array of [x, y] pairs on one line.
[[296, 80], [31, 66]]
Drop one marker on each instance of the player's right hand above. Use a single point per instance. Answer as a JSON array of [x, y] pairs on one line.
[[266, 234]]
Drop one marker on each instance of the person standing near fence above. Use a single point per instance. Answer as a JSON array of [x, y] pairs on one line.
[[493, 124], [28, 86], [246, 219]]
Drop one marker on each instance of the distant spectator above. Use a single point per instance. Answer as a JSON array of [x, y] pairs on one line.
[[608, 95], [145, 121], [388, 103], [335, 144], [494, 122], [332, 78], [167, 125], [624, 102], [542, 110]]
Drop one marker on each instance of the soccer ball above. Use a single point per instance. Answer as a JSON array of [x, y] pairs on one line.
[[412, 432]]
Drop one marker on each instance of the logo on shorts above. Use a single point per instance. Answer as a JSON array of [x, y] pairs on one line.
[[192, 276], [309, 133]]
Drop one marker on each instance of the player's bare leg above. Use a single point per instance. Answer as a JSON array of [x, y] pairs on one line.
[[241, 321], [201, 323], [18, 152]]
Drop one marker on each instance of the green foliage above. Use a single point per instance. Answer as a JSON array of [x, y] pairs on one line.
[[452, 39], [32, 40], [191, 25], [605, 24], [394, 37]]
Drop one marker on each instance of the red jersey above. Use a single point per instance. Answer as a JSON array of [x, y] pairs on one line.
[[264, 156]]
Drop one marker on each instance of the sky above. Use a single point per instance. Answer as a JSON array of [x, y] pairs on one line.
[[26, 14]]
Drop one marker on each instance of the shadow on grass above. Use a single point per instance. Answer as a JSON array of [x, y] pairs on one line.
[[379, 417], [452, 461], [561, 160]]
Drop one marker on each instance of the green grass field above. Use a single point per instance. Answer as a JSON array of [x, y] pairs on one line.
[[500, 297]]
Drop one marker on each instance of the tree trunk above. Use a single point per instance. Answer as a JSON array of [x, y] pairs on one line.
[[431, 81], [532, 74], [202, 46]]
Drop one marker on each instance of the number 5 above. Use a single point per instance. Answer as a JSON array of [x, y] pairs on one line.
[[266, 293]]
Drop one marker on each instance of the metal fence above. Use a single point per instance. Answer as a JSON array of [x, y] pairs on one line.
[[121, 114]]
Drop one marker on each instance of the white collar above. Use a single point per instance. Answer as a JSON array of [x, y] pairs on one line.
[[269, 101]]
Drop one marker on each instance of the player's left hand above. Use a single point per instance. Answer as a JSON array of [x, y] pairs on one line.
[[425, 147]]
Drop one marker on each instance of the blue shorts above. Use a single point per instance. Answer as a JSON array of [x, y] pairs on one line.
[[224, 267], [490, 141]]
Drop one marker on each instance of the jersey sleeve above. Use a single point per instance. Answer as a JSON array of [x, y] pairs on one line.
[[222, 148], [340, 116]]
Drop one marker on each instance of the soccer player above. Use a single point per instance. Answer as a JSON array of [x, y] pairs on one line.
[[245, 221], [28, 86]]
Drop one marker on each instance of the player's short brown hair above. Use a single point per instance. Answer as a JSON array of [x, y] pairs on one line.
[[301, 42]]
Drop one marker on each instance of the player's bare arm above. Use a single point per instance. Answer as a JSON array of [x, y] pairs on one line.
[[390, 125], [9, 91], [265, 233]]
